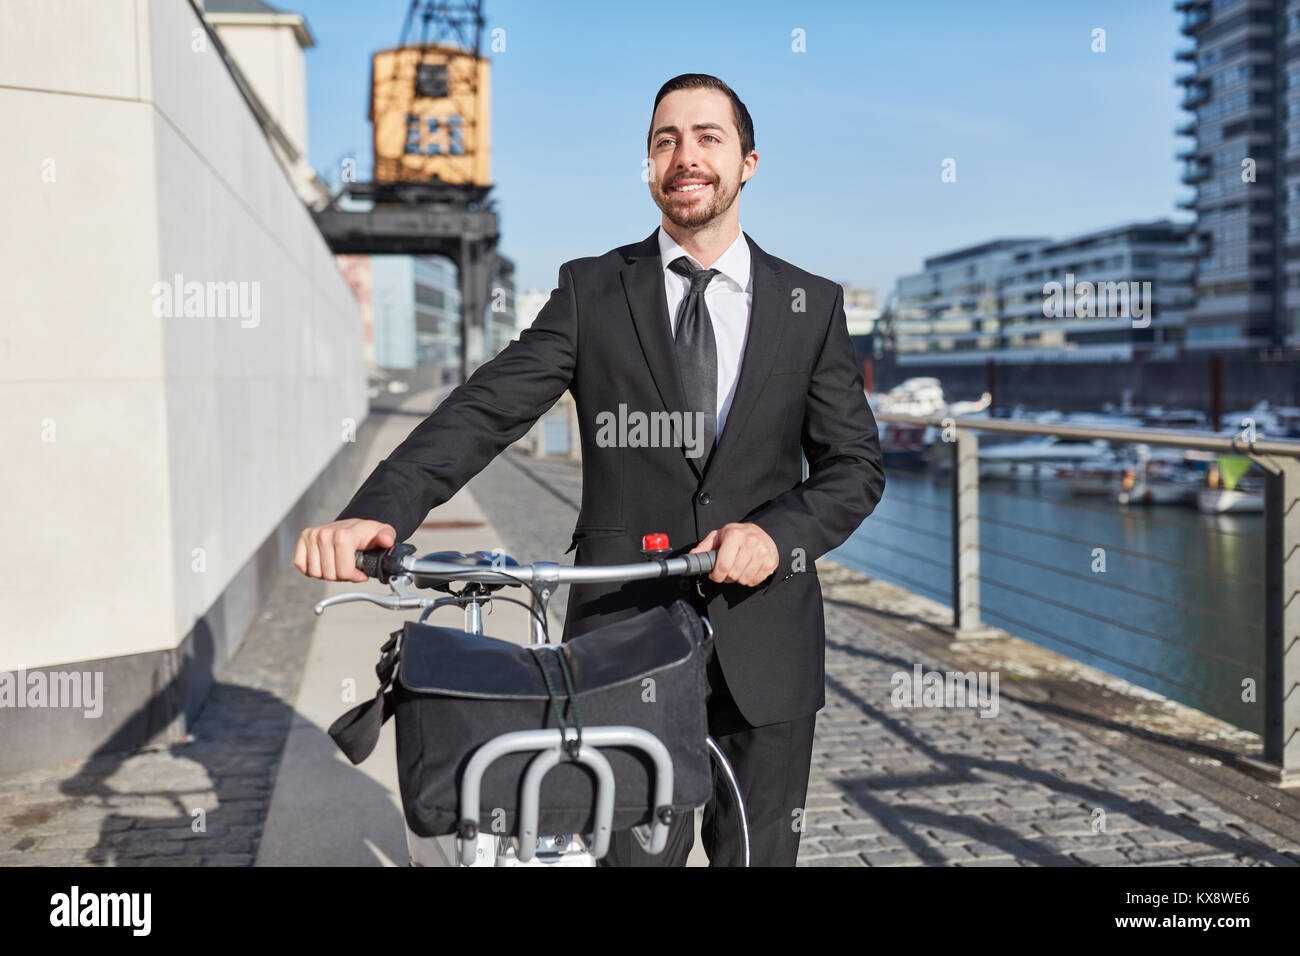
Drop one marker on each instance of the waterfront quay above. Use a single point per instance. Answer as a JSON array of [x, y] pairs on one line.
[[1073, 767]]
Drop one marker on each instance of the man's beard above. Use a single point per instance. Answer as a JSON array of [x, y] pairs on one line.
[[696, 214]]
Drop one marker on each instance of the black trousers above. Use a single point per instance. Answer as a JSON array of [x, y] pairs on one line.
[[771, 764]]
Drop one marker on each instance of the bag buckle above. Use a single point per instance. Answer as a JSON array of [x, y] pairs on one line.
[[388, 655]]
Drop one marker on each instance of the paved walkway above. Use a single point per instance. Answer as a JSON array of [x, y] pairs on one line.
[[897, 786], [890, 785], [324, 811]]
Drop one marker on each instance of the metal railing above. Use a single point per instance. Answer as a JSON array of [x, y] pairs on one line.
[[1280, 461]]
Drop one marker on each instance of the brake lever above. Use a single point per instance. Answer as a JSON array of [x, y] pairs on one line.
[[392, 603], [402, 598]]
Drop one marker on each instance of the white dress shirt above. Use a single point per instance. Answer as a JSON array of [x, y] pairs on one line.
[[728, 296]]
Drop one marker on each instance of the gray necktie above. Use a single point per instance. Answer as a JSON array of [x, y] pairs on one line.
[[697, 352]]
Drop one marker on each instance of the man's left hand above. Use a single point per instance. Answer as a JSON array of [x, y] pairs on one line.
[[747, 555]]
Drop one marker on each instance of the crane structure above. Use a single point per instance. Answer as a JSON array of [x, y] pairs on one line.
[[430, 111]]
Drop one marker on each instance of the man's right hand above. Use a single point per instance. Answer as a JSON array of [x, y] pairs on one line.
[[329, 551]]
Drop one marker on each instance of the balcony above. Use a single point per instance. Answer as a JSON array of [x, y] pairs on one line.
[[1195, 170], [1197, 95], [1194, 18]]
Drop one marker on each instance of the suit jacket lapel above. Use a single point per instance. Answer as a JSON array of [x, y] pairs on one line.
[[643, 283], [767, 311]]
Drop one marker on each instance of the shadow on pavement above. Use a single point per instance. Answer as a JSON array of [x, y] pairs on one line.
[[959, 769]]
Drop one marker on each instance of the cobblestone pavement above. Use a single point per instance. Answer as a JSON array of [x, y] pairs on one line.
[[889, 786], [895, 787], [533, 503], [198, 802]]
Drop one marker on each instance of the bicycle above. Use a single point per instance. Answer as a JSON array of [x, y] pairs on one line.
[[481, 574]]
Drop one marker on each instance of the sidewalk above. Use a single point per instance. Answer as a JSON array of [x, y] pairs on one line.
[[1050, 780], [324, 811]]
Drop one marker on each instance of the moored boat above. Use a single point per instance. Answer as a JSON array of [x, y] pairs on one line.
[[1229, 501], [903, 445], [1159, 477], [1230, 489], [1097, 479], [1041, 457]]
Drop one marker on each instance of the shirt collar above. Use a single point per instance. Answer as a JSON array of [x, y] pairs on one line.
[[732, 264]]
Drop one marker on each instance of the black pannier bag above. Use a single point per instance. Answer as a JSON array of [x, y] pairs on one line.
[[451, 692]]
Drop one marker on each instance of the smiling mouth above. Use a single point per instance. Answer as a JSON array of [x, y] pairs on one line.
[[687, 189]]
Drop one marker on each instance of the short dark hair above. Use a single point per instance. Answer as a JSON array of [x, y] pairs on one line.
[[703, 81]]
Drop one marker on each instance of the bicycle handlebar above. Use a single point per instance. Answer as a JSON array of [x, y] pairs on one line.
[[382, 563]]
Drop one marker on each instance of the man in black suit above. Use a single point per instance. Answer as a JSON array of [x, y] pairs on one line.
[[701, 368]]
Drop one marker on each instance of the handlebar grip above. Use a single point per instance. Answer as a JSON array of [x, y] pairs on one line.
[[701, 563], [370, 561]]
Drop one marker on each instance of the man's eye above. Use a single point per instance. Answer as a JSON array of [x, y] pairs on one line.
[[662, 142], [712, 137]]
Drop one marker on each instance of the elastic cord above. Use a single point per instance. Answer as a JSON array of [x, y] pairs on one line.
[[575, 745]]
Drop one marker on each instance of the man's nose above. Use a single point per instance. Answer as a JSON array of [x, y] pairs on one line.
[[686, 156]]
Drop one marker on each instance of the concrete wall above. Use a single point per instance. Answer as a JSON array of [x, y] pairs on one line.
[[270, 57], [153, 459], [266, 49]]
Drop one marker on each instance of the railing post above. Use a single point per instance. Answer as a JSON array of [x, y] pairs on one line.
[[966, 621], [1281, 691]]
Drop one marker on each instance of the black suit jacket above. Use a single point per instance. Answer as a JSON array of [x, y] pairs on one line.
[[606, 336]]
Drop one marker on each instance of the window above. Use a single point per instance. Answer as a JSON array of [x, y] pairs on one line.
[[1203, 333], [1230, 77]]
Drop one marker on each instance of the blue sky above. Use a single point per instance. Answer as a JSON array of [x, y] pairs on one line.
[[1050, 138]]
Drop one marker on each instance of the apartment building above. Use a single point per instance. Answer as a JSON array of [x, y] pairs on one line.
[[1243, 91], [1110, 295]]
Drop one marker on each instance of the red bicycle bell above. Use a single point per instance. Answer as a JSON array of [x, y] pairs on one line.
[[654, 545]]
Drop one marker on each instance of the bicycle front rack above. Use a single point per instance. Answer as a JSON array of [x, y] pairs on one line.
[[551, 750]]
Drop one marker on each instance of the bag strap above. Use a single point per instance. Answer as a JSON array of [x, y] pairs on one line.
[[571, 746], [357, 731]]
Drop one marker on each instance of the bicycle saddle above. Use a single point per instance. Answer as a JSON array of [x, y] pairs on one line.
[[478, 559]]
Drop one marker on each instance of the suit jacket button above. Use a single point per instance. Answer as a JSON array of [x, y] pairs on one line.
[[704, 498]]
